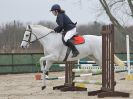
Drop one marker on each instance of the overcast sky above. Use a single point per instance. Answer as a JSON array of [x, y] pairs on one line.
[[82, 12]]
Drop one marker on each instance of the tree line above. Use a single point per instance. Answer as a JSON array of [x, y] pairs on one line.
[[11, 35]]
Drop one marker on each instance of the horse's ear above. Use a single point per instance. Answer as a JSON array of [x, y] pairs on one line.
[[29, 26]]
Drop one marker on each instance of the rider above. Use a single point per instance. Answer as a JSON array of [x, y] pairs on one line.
[[65, 23]]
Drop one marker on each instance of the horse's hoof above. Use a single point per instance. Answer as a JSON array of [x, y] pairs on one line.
[[43, 87]]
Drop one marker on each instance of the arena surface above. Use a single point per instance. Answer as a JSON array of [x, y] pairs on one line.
[[24, 86]]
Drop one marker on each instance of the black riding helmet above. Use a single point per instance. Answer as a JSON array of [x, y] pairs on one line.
[[55, 7]]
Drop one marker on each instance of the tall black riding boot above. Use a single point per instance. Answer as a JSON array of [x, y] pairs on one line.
[[72, 46]]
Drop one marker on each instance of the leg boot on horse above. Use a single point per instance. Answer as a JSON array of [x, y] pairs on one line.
[[71, 45]]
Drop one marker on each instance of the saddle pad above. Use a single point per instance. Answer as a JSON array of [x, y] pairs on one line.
[[77, 39]]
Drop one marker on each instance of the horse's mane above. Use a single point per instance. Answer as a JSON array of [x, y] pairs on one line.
[[40, 26]]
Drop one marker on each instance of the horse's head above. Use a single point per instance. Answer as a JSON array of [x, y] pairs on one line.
[[34, 33], [28, 38]]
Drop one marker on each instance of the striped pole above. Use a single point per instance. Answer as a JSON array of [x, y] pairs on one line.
[[55, 78], [97, 69], [82, 75], [63, 77], [87, 70], [88, 82]]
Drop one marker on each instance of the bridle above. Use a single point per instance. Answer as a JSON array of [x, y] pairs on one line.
[[29, 40]]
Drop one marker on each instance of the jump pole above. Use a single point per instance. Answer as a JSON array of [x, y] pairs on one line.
[[85, 72]]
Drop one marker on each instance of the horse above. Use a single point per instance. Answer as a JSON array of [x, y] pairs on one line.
[[55, 50]]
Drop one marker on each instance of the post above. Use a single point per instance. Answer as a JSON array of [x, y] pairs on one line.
[[129, 75], [128, 54], [69, 85], [108, 83]]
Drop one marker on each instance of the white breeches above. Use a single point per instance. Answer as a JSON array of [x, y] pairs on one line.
[[70, 34]]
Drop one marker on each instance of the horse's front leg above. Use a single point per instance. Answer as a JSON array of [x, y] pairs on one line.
[[49, 61]]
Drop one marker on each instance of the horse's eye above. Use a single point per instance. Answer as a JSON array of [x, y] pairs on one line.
[[27, 35]]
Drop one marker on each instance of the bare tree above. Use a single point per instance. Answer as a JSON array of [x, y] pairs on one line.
[[107, 7], [130, 3]]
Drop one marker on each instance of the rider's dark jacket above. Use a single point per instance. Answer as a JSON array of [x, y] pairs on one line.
[[64, 23]]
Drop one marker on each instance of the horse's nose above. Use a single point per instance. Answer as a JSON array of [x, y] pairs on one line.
[[22, 46]]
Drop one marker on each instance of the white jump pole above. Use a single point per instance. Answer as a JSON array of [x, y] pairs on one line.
[[78, 64], [78, 61], [128, 54]]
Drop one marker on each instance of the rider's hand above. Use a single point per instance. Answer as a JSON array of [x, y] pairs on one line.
[[56, 31], [52, 31]]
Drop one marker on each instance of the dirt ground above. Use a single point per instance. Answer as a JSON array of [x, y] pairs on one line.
[[24, 86]]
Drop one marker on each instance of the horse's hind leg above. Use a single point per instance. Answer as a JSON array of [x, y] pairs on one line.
[[97, 60]]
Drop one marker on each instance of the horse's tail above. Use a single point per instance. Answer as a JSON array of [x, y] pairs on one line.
[[118, 61]]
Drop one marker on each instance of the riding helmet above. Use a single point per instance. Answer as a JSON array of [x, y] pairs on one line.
[[55, 7]]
